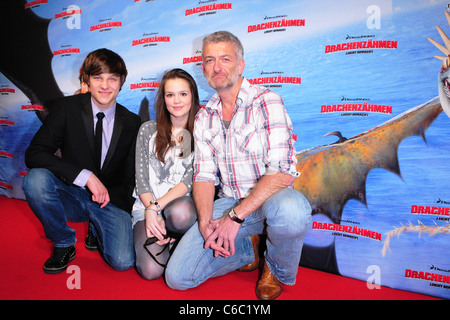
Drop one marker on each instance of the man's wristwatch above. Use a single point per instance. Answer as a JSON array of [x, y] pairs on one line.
[[234, 216]]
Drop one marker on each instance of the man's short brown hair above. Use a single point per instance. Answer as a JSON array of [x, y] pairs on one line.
[[103, 61]]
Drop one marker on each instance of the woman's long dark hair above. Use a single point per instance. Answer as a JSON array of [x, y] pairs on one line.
[[163, 140]]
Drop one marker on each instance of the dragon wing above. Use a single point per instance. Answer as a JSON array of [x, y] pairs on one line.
[[333, 174], [28, 32]]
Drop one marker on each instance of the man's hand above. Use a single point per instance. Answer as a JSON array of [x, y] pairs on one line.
[[222, 233], [99, 192]]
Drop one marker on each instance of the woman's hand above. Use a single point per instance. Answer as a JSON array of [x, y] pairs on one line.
[[155, 226]]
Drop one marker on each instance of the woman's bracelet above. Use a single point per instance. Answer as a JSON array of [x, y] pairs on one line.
[[148, 208], [156, 205], [158, 208]]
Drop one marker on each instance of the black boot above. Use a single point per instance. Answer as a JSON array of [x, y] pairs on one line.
[[91, 242], [58, 261]]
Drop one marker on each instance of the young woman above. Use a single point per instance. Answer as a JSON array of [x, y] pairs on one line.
[[164, 153]]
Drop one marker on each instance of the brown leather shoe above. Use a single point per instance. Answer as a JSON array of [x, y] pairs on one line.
[[255, 264], [268, 287]]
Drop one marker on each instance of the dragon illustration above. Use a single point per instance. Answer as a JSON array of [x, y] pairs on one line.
[[335, 173], [28, 52], [444, 96], [420, 228], [331, 174], [444, 81]]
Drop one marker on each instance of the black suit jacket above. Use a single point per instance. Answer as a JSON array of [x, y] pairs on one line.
[[70, 128]]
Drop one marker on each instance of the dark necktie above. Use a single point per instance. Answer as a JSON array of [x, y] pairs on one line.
[[98, 139]]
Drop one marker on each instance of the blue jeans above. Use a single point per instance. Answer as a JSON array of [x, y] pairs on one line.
[[285, 217], [54, 203]]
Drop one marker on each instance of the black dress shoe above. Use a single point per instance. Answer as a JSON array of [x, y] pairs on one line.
[[91, 242], [59, 260]]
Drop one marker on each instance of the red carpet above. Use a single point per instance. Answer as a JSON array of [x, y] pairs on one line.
[[25, 249]]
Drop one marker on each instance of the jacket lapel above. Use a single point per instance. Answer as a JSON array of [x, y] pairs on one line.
[[118, 126], [88, 121]]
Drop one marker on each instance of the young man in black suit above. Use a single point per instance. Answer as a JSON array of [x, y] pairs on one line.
[[93, 178]]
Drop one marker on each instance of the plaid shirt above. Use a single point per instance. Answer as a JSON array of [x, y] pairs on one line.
[[259, 140]]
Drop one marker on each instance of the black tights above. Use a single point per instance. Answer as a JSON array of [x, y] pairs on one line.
[[180, 215]]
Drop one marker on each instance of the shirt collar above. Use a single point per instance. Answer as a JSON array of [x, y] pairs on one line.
[[109, 113], [242, 96], [243, 93]]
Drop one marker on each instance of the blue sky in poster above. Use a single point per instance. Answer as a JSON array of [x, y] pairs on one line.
[[185, 31]]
